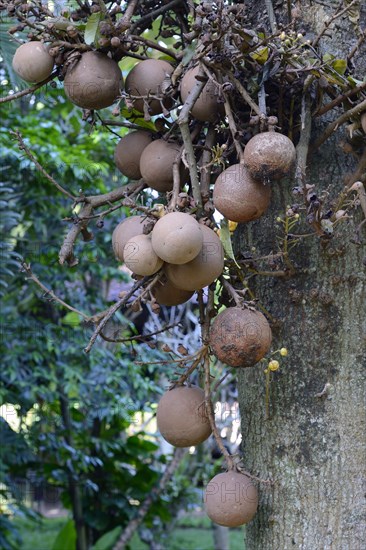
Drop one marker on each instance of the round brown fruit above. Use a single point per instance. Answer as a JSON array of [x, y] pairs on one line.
[[177, 238], [269, 155], [231, 499], [94, 82], [166, 294], [125, 230], [181, 416], [32, 62], [156, 164], [140, 257], [203, 269], [240, 337], [146, 78], [128, 153], [206, 107], [238, 196]]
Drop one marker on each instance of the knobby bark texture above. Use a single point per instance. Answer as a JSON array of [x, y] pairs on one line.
[[312, 446]]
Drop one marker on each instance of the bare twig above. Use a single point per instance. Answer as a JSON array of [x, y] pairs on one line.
[[95, 201], [145, 506], [112, 310], [334, 125], [211, 416], [26, 91], [146, 19], [32, 158], [205, 161], [27, 268], [342, 97], [66, 253], [140, 337], [154, 45], [199, 357], [184, 129], [338, 13], [245, 95]]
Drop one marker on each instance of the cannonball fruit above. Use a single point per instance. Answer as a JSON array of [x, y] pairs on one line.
[[166, 294], [128, 153], [140, 257], [240, 337], [125, 230], [231, 499], [238, 196], [32, 62], [203, 269], [181, 416], [94, 82], [156, 164], [147, 78], [269, 155], [206, 106], [177, 238]]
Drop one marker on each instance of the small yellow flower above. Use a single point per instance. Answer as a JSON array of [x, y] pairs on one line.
[[273, 365], [283, 352], [232, 226], [282, 35], [297, 216], [278, 219], [265, 371]]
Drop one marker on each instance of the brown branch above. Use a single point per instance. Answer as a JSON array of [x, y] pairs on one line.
[[154, 45], [205, 161], [232, 292], [200, 355], [124, 124], [183, 122], [355, 111], [112, 310], [245, 95], [327, 24], [357, 46], [94, 201], [329, 106], [26, 91], [32, 158], [211, 416], [154, 14], [66, 253], [145, 506], [140, 337], [49, 292]]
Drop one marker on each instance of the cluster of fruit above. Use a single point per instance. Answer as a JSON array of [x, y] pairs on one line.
[[231, 498], [191, 253]]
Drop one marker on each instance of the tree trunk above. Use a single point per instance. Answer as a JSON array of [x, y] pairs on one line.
[[312, 444], [220, 537]]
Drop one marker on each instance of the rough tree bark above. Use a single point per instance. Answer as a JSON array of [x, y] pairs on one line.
[[312, 446]]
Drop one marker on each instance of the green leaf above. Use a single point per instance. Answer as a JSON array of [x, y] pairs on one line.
[[261, 56], [340, 65], [71, 318], [226, 239], [108, 540], [66, 537], [92, 26]]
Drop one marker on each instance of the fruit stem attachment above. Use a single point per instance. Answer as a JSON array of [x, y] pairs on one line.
[[211, 416]]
